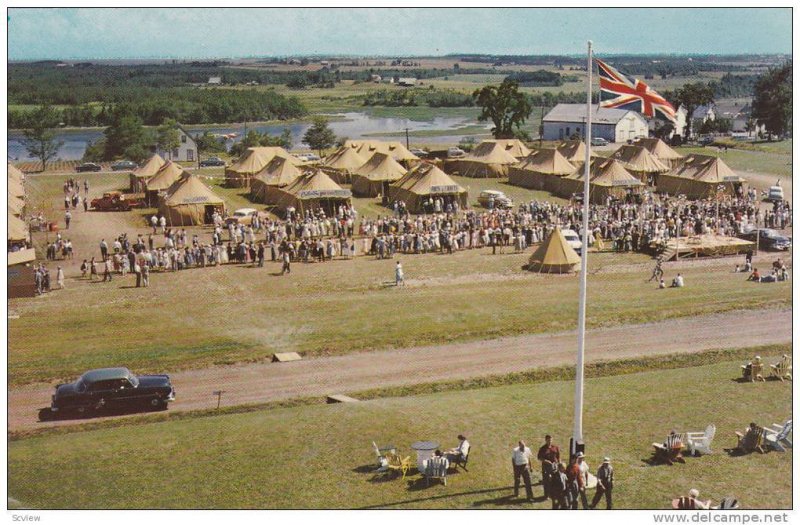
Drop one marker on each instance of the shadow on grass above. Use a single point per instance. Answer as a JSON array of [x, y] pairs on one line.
[[439, 497], [45, 414], [509, 499]]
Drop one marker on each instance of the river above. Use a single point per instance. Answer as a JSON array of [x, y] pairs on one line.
[[351, 125]]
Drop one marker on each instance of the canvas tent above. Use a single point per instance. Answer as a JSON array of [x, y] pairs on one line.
[[312, 191], [140, 175], [425, 182], [15, 206], [18, 231], [15, 173], [574, 151], [640, 163], [701, 177], [189, 202], [252, 161], [374, 176], [489, 159], [662, 151], [279, 173], [341, 164], [162, 180], [607, 178], [15, 188], [540, 170], [366, 148], [554, 255], [515, 147]]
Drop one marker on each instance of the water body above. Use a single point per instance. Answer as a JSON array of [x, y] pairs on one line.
[[353, 125]]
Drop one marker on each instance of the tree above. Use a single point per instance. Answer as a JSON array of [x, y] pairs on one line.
[[40, 139], [126, 136], [691, 96], [505, 106], [208, 143], [320, 136], [772, 104], [167, 135]]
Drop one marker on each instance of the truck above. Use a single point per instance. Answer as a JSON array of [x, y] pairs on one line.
[[118, 201]]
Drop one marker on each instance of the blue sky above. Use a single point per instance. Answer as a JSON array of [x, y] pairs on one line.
[[211, 32]]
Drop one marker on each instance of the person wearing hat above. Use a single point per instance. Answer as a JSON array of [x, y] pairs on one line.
[[605, 483], [459, 454], [521, 461]]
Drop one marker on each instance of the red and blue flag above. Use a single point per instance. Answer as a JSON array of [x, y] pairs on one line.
[[619, 91]]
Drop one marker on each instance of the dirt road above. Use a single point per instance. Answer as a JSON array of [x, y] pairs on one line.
[[263, 382]]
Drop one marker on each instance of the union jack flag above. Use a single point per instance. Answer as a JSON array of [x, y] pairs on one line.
[[619, 91]]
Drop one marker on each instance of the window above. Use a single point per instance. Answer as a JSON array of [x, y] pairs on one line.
[[183, 139], [190, 154]]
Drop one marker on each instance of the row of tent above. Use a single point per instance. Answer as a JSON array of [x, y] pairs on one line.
[[18, 231]]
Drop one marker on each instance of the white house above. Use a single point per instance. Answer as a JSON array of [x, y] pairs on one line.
[[215, 81], [679, 126], [186, 150], [407, 81], [614, 125]]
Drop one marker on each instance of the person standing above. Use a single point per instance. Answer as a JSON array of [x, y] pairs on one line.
[[549, 455], [558, 487], [109, 267], [60, 278], [67, 219], [399, 278], [575, 482], [521, 461], [103, 249], [287, 262], [145, 275], [605, 483]]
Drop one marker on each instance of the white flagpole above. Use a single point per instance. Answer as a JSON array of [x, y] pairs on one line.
[[577, 430]]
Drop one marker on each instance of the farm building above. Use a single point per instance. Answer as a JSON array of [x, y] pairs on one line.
[[373, 177], [186, 151], [640, 163], [314, 190], [142, 174], [489, 160], [279, 173], [607, 178], [189, 202], [701, 177], [423, 183], [341, 164], [614, 125], [554, 255], [540, 170], [252, 161]]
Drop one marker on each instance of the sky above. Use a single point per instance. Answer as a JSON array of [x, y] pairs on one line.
[[97, 33]]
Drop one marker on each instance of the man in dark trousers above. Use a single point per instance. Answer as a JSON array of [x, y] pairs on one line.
[[605, 483], [549, 456], [521, 461], [558, 487]]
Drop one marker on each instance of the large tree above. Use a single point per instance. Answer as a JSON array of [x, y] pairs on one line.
[[40, 139], [126, 137], [320, 136], [772, 104], [691, 96], [167, 136], [505, 106]]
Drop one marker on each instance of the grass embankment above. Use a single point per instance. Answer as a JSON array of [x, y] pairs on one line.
[[320, 456], [202, 317], [744, 161]]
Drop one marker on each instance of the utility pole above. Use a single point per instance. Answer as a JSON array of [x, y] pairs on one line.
[[407, 143], [541, 127]]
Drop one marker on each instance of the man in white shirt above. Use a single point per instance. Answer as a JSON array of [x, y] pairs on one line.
[[459, 453], [521, 461]]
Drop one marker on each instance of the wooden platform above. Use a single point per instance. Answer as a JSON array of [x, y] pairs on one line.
[[708, 245], [340, 398], [285, 357]]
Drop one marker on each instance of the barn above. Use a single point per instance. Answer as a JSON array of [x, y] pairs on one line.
[[614, 125]]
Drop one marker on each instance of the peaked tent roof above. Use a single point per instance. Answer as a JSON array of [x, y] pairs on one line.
[[491, 152], [513, 146], [381, 166], [190, 190], [554, 253], [165, 177], [279, 172], [659, 148], [17, 229], [637, 158], [574, 150], [316, 180], [150, 167], [345, 158], [547, 160], [254, 159], [608, 172], [15, 205], [708, 168], [15, 173], [366, 148], [422, 178], [15, 188]]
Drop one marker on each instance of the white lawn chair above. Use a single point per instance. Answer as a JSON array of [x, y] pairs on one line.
[[383, 463], [700, 442], [777, 437]]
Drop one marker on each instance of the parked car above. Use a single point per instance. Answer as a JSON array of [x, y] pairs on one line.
[[88, 166], [775, 194], [497, 199], [124, 165], [572, 239], [455, 152], [768, 239], [705, 141], [307, 157], [242, 216], [212, 161], [113, 388], [421, 153], [599, 141]]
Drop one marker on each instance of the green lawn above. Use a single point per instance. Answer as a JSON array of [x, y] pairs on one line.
[[748, 161], [320, 456]]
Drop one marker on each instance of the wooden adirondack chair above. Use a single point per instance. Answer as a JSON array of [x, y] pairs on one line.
[[753, 371], [777, 437], [436, 468], [670, 451], [398, 464], [749, 442], [783, 368], [701, 441]]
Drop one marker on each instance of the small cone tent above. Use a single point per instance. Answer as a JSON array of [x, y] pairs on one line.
[[279, 173], [15, 206], [701, 177], [140, 175], [374, 176], [640, 163], [489, 159], [251, 162], [554, 255], [607, 178], [662, 151], [341, 164], [162, 180], [189, 202], [312, 191], [424, 183], [540, 170], [18, 231], [513, 146]]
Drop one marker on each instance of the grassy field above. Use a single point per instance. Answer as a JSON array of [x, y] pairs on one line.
[[749, 161], [320, 456]]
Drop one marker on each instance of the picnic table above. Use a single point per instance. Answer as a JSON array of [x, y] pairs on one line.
[[425, 450]]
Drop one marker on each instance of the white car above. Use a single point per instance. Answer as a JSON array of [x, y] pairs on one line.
[[242, 216], [775, 194], [498, 199], [455, 153], [572, 239], [599, 141]]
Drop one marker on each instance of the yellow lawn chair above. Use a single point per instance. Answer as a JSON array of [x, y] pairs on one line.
[[398, 464], [783, 368]]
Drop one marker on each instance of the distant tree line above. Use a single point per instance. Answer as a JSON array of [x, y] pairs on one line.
[[435, 98], [540, 78]]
